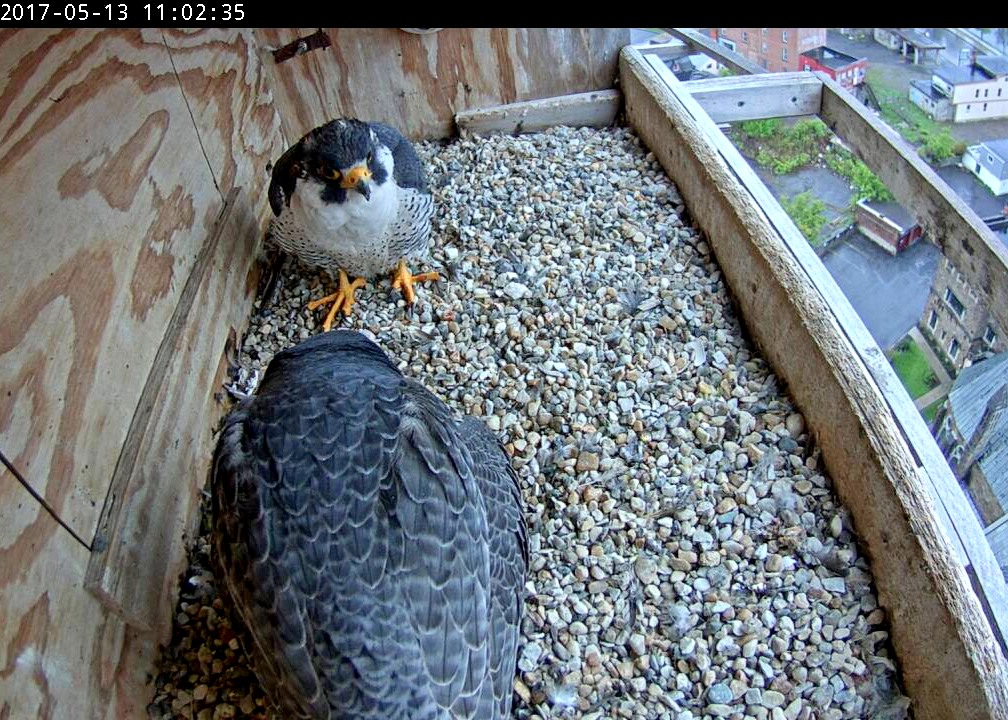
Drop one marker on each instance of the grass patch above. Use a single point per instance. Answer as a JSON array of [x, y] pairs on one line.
[[783, 148], [866, 184], [933, 138], [931, 410], [912, 368]]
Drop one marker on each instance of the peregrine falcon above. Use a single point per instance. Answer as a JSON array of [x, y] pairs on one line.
[[371, 542], [352, 196]]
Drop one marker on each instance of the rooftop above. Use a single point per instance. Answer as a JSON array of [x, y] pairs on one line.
[[929, 90], [918, 40], [956, 74], [893, 211], [998, 147], [831, 58], [994, 65], [971, 391]]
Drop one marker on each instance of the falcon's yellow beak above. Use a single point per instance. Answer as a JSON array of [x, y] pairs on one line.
[[357, 179]]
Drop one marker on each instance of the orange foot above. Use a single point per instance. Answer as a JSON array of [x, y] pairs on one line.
[[342, 298], [403, 279]]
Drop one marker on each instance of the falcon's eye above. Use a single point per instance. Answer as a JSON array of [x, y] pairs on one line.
[[328, 173]]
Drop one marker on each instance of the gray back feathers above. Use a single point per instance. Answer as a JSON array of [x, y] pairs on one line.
[[372, 543]]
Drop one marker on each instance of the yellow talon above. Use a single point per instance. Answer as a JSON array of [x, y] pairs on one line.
[[403, 279], [341, 299]]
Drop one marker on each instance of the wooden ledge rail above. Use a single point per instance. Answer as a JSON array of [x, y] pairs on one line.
[[714, 49], [952, 664], [588, 109]]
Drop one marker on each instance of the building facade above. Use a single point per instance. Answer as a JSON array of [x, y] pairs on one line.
[[846, 69], [976, 92], [959, 326], [927, 97], [887, 225], [773, 49], [989, 162]]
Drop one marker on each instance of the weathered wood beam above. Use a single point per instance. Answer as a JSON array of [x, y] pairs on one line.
[[667, 50], [952, 664], [754, 97], [716, 50], [589, 109], [946, 218]]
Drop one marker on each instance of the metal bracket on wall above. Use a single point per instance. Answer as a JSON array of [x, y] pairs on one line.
[[315, 41]]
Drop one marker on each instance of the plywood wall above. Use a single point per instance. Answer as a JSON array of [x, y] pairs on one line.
[[418, 82], [117, 149], [133, 165]]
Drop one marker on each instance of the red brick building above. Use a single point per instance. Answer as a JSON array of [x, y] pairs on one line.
[[846, 69], [887, 225], [774, 49]]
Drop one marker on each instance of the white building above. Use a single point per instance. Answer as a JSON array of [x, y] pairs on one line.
[[977, 92], [989, 162]]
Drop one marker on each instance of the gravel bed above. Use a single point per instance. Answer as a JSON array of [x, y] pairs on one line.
[[689, 558]]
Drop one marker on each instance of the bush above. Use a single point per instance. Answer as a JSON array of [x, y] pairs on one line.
[[938, 145], [808, 214], [866, 184], [760, 128], [812, 130]]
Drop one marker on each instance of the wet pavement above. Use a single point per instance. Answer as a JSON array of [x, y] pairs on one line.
[[888, 292], [977, 195]]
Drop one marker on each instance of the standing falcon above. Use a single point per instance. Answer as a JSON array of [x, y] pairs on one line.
[[352, 197], [371, 542]]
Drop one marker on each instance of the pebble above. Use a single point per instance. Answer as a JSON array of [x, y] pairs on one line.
[[772, 699], [719, 693], [670, 485]]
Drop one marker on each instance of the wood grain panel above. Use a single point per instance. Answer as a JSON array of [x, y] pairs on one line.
[[418, 82], [113, 199], [225, 86], [139, 549], [61, 654]]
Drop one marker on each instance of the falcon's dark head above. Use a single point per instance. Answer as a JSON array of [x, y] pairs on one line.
[[342, 155]]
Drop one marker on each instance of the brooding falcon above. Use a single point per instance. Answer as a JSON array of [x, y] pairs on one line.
[[352, 197], [371, 542]]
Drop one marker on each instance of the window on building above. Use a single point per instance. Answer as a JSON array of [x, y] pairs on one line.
[[976, 94], [989, 336], [990, 159], [954, 349], [783, 54], [764, 47], [745, 37], [783, 35], [985, 92], [730, 44], [933, 319], [764, 31], [953, 302], [985, 107]]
